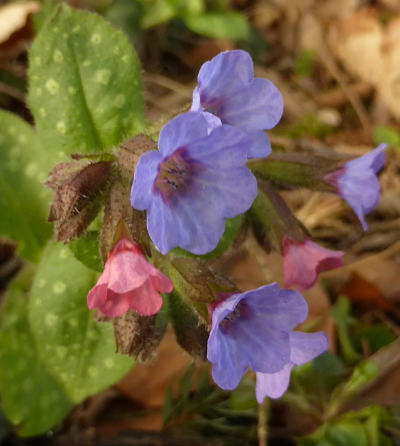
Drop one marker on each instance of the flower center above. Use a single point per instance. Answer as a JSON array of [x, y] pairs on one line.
[[214, 106], [242, 311], [173, 174]]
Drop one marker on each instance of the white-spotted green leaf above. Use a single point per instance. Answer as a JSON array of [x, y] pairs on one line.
[[31, 398], [76, 349], [23, 196], [85, 84]]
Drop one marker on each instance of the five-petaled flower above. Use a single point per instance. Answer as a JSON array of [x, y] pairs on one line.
[[129, 281], [228, 90], [304, 260], [195, 181], [255, 329], [358, 184]]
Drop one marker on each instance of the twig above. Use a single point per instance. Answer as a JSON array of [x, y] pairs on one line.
[[353, 97], [172, 85]]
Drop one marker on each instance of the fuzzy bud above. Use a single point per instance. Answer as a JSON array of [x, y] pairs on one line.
[[77, 185]]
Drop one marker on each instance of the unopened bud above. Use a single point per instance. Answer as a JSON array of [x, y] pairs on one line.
[[77, 185], [190, 329], [139, 336], [118, 209], [273, 220], [197, 281]]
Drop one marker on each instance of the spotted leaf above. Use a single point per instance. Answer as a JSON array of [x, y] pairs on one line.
[[85, 85], [76, 349], [23, 198], [31, 398]]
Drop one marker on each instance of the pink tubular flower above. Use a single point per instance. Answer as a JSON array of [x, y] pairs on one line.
[[304, 260], [128, 281]]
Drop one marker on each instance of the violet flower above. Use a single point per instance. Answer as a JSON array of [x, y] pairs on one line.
[[358, 184], [255, 329], [304, 260], [193, 183], [304, 347], [228, 89], [128, 281]]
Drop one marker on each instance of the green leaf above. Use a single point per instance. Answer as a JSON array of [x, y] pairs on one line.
[[85, 85], [344, 433], [126, 15], [161, 11], [86, 250], [388, 135], [344, 320], [23, 197], [305, 63], [76, 349], [244, 396], [220, 25], [31, 397]]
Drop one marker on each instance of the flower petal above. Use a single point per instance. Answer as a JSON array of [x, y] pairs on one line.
[[128, 267], [273, 385], [361, 192], [161, 282], [162, 225], [115, 304], [373, 160], [229, 362], [282, 310], [303, 261], [201, 223], [145, 174], [256, 107], [266, 348], [224, 148], [225, 74], [307, 346], [97, 296], [145, 300], [181, 130], [260, 145], [234, 190]]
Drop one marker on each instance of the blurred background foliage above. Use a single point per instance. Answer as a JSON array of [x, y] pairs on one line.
[[337, 65]]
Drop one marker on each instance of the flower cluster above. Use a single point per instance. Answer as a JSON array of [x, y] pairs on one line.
[[197, 179]]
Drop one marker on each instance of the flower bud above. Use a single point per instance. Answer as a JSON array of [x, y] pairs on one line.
[[139, 336], [77, 185]]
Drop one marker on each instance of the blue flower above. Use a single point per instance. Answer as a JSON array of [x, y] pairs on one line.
[[303, 348], [228, 89], [358, 184], [255, 329], [195, 181]]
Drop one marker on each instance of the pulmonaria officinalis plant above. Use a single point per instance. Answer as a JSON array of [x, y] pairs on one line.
[[213, 180]]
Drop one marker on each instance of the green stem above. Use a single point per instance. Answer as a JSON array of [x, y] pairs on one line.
[[262, 431]]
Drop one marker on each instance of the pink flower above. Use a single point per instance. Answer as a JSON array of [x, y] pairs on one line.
[[303, 261], [128, 281]]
